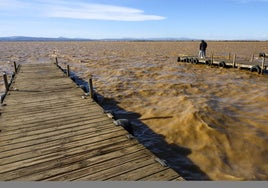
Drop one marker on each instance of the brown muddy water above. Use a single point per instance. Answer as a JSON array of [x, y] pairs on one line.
[[208, 123]]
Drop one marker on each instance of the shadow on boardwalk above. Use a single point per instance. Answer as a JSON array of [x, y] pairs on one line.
[[174, 156]]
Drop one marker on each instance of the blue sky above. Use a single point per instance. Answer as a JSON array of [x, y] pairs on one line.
[[98, 19]]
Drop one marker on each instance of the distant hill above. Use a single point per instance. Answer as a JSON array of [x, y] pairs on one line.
[[24, 38]]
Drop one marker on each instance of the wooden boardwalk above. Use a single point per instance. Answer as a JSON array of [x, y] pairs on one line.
[[49, 132], [258, 65]]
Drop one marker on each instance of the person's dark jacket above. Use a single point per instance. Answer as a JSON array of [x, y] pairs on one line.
[[203, 45]]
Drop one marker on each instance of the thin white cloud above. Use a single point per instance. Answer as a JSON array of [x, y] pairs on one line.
[[77, 10], [98, 12]]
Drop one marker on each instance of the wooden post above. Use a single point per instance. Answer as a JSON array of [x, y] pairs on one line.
[[56, 60], [252, 57], [234, 60], [68, 70], [262, 65], [229, 56], [90, 85], [15, 67], [5, 81], [212, 58]]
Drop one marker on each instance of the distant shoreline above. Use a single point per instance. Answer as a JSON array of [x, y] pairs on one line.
[[62, 39]]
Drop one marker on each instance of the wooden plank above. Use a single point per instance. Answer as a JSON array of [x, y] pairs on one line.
[[98, 172], [51, 117], [63, 142], [10, 134], [39, 143], [53, 165], [75, 167], [83, 128], [139, 173], [13, 130], [46, 108], [166, 174], [29, 118], [62, 149], [124, 154]]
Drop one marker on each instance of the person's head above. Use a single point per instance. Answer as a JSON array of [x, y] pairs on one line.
[[202, 41]]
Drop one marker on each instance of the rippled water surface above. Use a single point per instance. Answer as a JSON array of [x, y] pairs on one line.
[[206, 122]]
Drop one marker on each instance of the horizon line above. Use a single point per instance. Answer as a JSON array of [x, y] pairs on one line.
[[31, 38]]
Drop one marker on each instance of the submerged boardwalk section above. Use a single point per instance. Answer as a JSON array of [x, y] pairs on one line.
[[50, 132]]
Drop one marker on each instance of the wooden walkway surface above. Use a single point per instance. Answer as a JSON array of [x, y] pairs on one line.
[[50, 133], [257, 65]]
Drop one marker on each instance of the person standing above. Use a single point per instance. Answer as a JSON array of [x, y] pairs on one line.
[[202, 49]]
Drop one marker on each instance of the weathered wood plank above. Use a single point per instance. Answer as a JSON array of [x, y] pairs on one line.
[[38, 143], [100, 173], [166, 174], [139, 173], [75, 167], [51, 117], [9, 134], [54, 163], [43, 109], [13, 130], [61, 149]]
